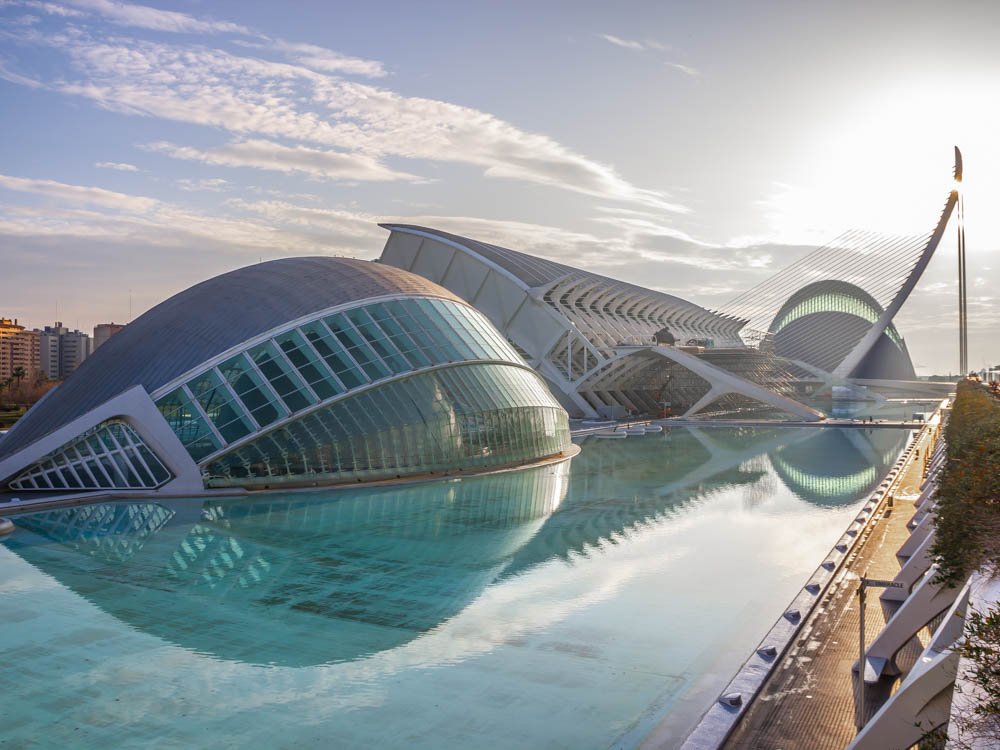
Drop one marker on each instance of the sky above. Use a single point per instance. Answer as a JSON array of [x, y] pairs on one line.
[[691, 147]]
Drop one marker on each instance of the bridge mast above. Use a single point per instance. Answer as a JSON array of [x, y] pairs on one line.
[[963, 314]]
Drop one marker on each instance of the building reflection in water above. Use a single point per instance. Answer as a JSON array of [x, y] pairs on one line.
[[313, 578], [295, 579]]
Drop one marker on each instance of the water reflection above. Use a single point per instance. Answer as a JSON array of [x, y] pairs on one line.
[[294, 579], [313, 578], [836, 467]]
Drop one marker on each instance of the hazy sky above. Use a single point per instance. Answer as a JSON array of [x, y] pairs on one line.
[[693, 147]]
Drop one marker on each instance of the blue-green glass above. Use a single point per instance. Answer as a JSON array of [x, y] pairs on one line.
[[434, 312], [334, 355], [378, 340], [251, 391], [399, 337], [284, 380], [357, 347], [218, 403], [187, 424], [309, 365], [460, 417]]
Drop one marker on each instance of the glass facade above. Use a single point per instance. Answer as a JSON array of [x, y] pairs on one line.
[[487, 414], [321, 360], [834, 302], [468, 416], [111, 456]]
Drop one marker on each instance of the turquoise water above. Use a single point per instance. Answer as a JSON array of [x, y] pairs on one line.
[[569, 606]]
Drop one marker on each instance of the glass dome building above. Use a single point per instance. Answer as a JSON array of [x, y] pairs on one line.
[[295, 372]]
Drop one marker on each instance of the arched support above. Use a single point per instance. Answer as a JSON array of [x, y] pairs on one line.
[[920, 706], [715, 392], [865, 344], [916, 538], [724, 382], [911, 572], [923, 701], [928, 600]]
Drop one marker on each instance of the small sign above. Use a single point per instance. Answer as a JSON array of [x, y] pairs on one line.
[[879, 583]]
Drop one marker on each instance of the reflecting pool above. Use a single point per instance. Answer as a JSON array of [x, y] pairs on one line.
[[574, 605]]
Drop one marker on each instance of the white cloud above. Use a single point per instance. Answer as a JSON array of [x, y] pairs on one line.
[[261, 154], [144, 17], [320, 58], [337, 221], [77, 194], [625, 43], [247, 95], [639, 223], [116, 165], [21, 80], [686, 69], [51, 8], [214, 184], [129, 219], [646, 46]]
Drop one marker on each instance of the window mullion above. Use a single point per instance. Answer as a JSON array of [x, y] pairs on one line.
[[294, 373], [319, 361], [129, 456], [203, 415], [350, 357], [237, 401], [278, 402], [365, 345]]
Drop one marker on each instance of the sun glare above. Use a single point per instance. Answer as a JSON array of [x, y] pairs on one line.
[[886, 164]]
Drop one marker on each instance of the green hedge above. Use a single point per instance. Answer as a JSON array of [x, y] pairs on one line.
[[968, 496]]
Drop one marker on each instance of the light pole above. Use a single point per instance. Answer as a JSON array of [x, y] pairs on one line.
[[861, 657]]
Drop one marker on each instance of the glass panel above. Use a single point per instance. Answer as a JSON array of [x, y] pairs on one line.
[[284, 380], [186, 423], [309, 366], [71, 481], [333, 354], [417, 328], [440, 312], [56, 480], [378, 340], [357, 347], [440, 421], [160, 473], [432, 325], [145, 479], [399, 337], [251, 391], [225, 412]]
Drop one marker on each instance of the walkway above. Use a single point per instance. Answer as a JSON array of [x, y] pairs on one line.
[[855, 423], [809, 700]]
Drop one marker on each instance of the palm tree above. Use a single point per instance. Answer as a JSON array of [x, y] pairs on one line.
[[18, 374]]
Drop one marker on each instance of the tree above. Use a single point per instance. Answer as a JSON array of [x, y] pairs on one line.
[[6, 383]]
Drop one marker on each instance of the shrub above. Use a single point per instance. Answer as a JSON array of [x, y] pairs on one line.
[[968, 496]]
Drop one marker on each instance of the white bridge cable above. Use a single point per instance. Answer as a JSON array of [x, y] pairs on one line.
[[876, 263], [871, 261]]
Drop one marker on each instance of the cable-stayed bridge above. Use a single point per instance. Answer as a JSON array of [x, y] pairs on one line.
[[609, 348]]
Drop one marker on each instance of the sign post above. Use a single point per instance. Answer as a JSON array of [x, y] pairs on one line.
[[865, 583]]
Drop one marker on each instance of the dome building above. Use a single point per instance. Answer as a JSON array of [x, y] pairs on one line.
[[295, 372], [822, 322]]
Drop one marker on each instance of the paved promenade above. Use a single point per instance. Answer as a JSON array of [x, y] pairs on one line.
[[809, 701]]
